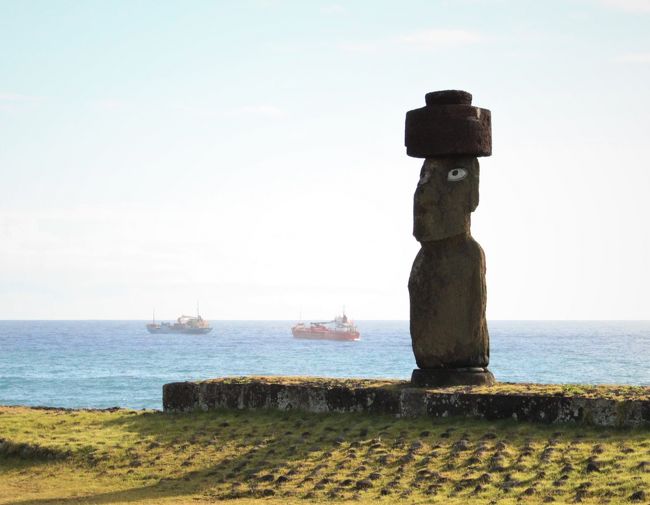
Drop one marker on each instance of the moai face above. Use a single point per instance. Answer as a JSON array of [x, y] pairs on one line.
[[446, 195]]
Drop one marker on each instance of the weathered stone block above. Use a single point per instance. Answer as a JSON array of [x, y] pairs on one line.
[[401, 399], [448, 130], [181, 396]]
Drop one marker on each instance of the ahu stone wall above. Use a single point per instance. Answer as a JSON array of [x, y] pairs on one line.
[[535, 403]]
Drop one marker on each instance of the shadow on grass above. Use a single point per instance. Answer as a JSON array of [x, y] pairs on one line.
[[164, 489], [21, 455], [257, 454], [266, 444]]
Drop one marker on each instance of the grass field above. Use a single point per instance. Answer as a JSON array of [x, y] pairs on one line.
[[119, 457]]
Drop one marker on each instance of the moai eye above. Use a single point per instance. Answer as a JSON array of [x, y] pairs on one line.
[[456, 174]]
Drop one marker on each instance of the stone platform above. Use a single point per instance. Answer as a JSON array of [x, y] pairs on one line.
[[623, 406]]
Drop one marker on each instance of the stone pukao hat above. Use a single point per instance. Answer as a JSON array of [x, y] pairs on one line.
[[448, 126]]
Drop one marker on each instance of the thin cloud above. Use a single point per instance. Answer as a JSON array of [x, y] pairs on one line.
[[360, 47], [269, 111], [628, 5], [421, 40], [17, 98], [635, 58], [434, 39], [109, 104], [335, 9]]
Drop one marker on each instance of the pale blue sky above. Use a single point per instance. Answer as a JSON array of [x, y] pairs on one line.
[[250, 154]]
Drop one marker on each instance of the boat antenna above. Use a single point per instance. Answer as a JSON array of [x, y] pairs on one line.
[[197, 308], [154, 316]]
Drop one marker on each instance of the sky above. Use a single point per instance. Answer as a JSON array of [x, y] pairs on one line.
[[249, 155]]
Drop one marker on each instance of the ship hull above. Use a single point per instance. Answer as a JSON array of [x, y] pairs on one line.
[[184, 331], [345, 336]]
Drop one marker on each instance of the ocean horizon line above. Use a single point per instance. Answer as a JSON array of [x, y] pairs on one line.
[[297, 319]]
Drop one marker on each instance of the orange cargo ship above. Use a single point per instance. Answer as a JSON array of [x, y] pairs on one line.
[[340, 328]]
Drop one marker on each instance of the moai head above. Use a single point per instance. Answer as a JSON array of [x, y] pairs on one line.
[[446, 195], [450, 133]]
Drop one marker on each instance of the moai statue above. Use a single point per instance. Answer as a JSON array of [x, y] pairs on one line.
[[447, 283]]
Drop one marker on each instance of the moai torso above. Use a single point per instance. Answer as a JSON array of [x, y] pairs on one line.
[[447, 282]]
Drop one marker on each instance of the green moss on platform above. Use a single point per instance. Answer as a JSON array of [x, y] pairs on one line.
[[244, 457], [605, 391]]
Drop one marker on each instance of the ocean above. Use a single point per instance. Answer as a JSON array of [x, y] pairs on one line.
[[117, 363]]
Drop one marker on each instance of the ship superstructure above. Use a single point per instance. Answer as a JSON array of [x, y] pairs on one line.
[[183, 324], [339, 328]]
